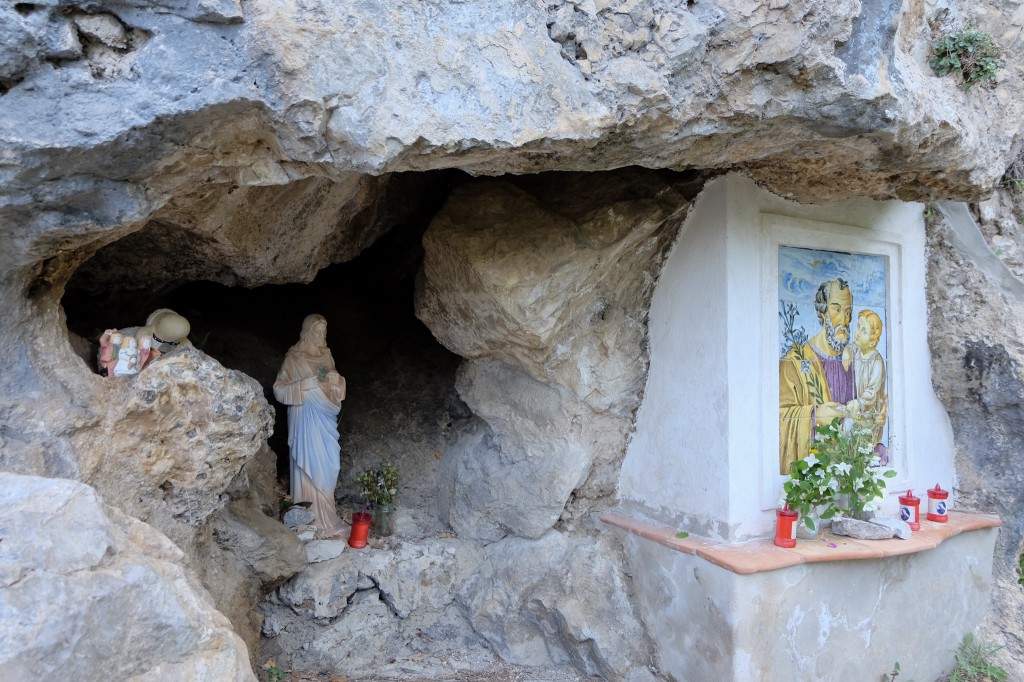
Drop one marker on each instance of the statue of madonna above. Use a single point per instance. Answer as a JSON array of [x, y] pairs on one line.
[[313, 390]]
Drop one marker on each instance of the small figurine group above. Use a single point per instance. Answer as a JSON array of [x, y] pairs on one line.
[[126, 352]]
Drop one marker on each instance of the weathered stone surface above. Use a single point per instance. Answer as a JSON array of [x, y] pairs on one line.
[[298, 516], [536, 263], [305, 533], [363, 608], [269, 549], [99, 595], [489, 488], [104, 28], [324, 550], [179, 432], [558, 599], [551, 603], [240, 556], [976, 323], [256, 234], [900, 529], [168, 446], [834, 100], [544, 290], [862, 530]]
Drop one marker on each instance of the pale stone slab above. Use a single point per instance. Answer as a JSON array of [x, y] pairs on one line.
[[324, 550], [104, 28], [862, 530], [306, 533], [900, 529], [297, 516]]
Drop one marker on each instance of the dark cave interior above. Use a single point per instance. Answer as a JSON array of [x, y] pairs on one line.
[[377, 342]]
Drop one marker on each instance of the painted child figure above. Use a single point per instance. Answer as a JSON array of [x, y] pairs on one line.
[[869, 370], [110, 348], [127, 359]]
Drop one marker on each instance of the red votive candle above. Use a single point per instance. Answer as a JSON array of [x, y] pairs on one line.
[[910, 510], [785, 527], [937, 504]]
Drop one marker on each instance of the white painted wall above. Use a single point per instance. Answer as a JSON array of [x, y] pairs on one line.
[[839, 621], [678, 461], [705, 451]]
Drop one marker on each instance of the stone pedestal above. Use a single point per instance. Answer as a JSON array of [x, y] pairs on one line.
[[830, 610]]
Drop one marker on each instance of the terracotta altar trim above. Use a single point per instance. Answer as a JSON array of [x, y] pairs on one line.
[[757, 556]]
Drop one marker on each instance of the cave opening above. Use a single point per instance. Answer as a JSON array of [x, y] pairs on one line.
[[401, 405], [546, 291]]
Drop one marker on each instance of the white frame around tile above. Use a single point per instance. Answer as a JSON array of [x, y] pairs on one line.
[[779, 230]]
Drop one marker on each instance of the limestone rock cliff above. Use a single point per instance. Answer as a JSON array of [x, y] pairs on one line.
[[89, 593], [147, 143], [976, 301]]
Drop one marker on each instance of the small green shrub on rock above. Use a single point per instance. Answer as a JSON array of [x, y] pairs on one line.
[[972, 662], [971, 54]]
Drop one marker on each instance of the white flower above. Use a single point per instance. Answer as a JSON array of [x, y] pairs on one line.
[[844, 468], [811, 460], [858, 484], [871, 506], [834, 484], [875, 461]]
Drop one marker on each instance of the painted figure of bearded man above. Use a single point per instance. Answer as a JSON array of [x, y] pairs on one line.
[[311, 387], [814, 384]]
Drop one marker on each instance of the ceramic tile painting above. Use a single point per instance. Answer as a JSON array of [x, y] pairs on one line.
[[832, 346]]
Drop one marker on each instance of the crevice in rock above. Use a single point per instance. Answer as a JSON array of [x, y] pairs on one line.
[[384, 596]]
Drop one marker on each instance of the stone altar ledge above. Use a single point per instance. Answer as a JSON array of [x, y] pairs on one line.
[[734, 612], [757, 556]]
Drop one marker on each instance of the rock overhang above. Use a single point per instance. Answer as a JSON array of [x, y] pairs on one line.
[[280, 96]]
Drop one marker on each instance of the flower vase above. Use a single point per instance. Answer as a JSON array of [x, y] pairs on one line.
[[803, 531], [383, 522], [849, 505]]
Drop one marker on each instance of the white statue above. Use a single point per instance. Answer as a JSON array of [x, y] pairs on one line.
[[124, 352], [127, 359], [311, 387]]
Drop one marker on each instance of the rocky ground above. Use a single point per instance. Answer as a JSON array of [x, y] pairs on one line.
[[499, 673]]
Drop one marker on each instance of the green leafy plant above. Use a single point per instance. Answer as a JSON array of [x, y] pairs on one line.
[[853, 463], [682, 534], [274, 673], [811, 486], [891, 676], [1015, 185], [840, 461], [379, 486], [971, 54], [1020, 569], [972, 664]]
